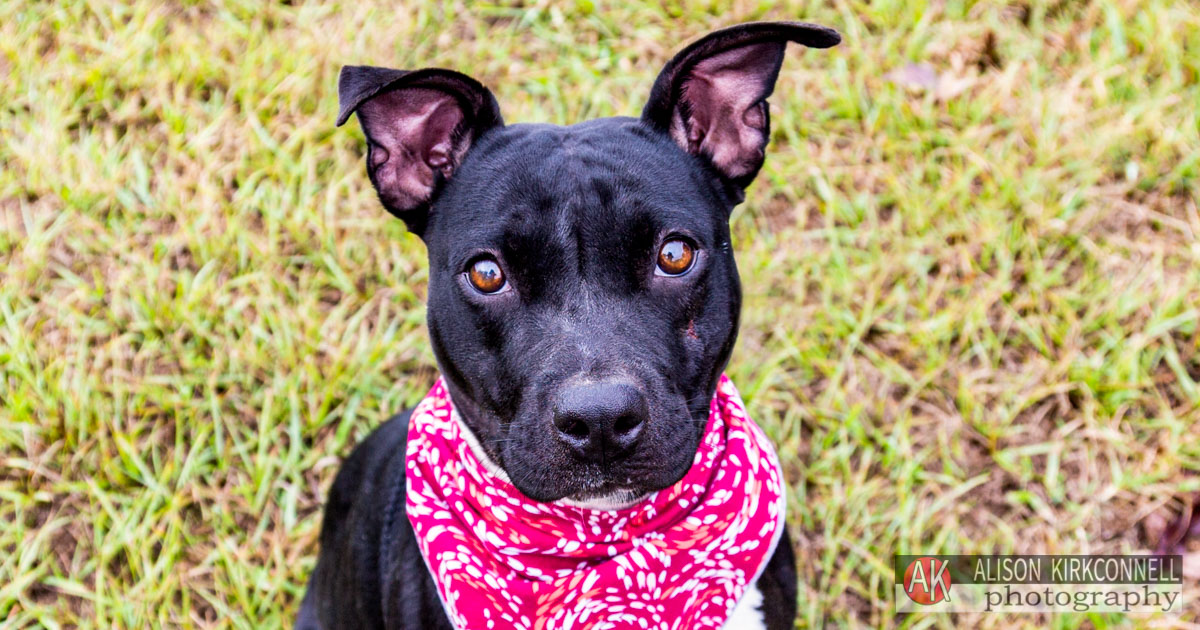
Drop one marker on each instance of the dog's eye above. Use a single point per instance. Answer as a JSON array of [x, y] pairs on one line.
[[486, 276], [675, 258]]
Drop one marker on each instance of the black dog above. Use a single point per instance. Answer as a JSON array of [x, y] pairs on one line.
[[583, 299]]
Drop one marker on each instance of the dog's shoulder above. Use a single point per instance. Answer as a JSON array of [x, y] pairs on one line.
[[370, 573], [369, 463]]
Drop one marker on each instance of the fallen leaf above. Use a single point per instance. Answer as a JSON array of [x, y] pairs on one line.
[[1191, 565], [922, 77], [914, 75]]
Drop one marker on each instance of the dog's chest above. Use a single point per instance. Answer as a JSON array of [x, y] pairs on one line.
[[747, 615]]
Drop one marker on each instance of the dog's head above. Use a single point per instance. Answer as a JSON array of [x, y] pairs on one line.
[[583, 297]]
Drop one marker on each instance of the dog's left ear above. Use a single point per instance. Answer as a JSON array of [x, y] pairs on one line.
[[712, 97]]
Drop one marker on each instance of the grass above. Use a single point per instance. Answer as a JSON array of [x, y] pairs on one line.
[[971, 266]]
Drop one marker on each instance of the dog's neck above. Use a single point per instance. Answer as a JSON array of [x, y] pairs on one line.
[[616, 500], [477, 448]]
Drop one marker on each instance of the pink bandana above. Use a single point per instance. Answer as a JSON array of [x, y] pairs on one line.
[[679, 558]]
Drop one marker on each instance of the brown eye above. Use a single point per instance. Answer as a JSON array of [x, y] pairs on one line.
[[485, 275], [675, 257]]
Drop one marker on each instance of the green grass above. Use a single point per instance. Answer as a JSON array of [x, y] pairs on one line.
[[971, 315]]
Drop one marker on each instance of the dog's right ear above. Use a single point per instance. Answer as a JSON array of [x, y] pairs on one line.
[[419, 126]]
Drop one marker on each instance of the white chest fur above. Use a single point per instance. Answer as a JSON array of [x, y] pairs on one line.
[[747, 615]]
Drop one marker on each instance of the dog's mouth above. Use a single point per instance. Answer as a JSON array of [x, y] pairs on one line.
[[596, 487], [587, 487], [544, 475]]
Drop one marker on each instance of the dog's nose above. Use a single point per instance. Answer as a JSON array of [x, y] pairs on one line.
[[600, 421]]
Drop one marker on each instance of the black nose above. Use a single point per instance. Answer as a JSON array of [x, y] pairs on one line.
[[600, 421]]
